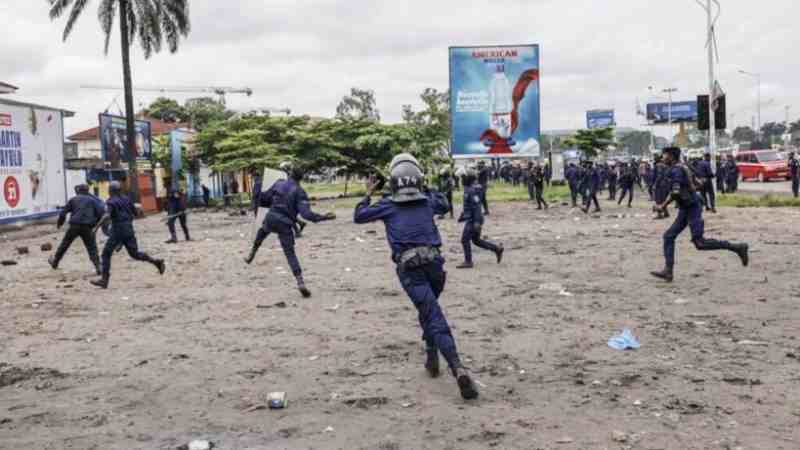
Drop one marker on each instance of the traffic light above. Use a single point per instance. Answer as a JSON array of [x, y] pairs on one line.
[[720, 118]]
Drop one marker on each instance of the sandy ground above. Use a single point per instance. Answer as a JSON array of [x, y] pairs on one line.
[[155, 362]]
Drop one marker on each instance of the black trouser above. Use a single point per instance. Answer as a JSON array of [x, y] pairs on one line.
[[485, 202], [122, 234], [86, 233], [286, 237], [591, 196], [721, 184], [612, 190], [573, 192], [626, 190], [709, 197], [539, 190], [531, 191], [449, 195], [795, 185], [171, 226], [472, 234], [732, 185]]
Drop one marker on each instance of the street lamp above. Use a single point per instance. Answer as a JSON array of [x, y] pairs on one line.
[[669, 92], [757, 76]]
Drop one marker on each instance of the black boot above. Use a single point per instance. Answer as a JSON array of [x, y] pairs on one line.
[[249, 258], [665, 274], [465, 265], [465, 384], [432, 362], [102, 282], [97, 268], [172, 240], [160, 265], [301, 286], [499, 253], [743, 250], [53, 263]]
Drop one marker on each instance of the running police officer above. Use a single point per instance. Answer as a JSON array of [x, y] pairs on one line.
[[408, 215], [472, 217], [85, 212], [690, 213], [176, 210]]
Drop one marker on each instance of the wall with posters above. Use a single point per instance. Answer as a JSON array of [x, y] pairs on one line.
[[600, 118], [494, 101], [32, 179], [114, 136]]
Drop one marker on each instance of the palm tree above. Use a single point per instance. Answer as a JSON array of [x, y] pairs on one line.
[[152, 22]]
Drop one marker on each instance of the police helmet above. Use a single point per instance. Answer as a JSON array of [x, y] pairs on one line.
[[470, 176], [114, 187], [82, 189], [675, 152], [406, 179]]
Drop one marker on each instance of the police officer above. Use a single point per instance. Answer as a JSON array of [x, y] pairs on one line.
[[794, 172], [121, 212], [626, 181], [722, 176], [690, 213], [176, 210], [483, 180], [538, 180], [591, 186], [662, 187], [472, 217], [446, 186], [285, 200], [529, 182], [613, 177], [732, 175], [706, 174], [85, 213], [572, 174], [548, 173], [408, 215]]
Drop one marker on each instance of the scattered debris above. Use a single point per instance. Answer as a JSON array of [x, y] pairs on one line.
[[47, 247], [753, 343], [328, 430], [22, 250], [554, 287], [565, 440], [276, 305], [681, 301], [8, 262], [197, 445], [277, 400], [313, 358], [333, 308], [619, 436], [366, 402], [624, 341]]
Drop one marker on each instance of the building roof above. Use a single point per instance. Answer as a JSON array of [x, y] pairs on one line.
[[7, 101], [157, 128], [6, 88]]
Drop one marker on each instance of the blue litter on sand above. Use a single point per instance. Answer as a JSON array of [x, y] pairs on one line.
[[624, 341]]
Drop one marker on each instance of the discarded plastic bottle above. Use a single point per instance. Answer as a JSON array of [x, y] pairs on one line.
[[500, 104]]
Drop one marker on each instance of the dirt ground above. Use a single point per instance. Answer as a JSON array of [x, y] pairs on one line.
[[155, 362]]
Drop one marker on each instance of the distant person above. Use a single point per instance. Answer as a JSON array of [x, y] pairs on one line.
[[85, 212], [206, 195], [794, 172], [706, 174], [721, 175], [548, 173], [483, 180], [176, 210], [732, 174]]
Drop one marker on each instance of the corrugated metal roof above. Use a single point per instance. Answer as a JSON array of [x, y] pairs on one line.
[[7, 101]]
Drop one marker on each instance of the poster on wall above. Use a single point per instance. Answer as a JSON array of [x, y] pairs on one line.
[[600, 118], [31, 162], [494, 101], [113, 140]]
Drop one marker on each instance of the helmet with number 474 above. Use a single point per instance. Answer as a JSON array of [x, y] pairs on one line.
[[406, 180]]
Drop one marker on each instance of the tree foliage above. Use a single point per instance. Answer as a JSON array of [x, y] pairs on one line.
[[744, 134], [359, 105], [592, 142], [636, 142], [167, 110], [430, 127]]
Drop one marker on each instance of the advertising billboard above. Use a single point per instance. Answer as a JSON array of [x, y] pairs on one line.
[[600, 118], [494, 101], [659, 113], [31, 162], [114, 137]]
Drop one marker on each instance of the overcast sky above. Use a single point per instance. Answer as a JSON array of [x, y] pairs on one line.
[[306, 54]]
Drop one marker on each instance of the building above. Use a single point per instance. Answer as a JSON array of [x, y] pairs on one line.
[[33, 183], [88, 141]]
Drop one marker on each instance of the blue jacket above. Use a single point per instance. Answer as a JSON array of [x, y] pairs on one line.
[[571, 174], [285, 200], [731, 170], [122, 212], [175, 205], [473, 211], [591, 180], [680, 189], [408, 225], [704, 170], [83, 209]]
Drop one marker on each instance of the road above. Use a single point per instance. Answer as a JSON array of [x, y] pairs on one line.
[[772, 187]]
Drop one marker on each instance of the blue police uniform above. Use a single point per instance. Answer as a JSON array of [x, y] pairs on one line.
[[410, 229], [706, 173], [176, 209], [690, 213], [122, 212], [613, 178], [85, 212], [722, 176], [572, 174], [483, 180], [285, 200], [472, 216], [794, 172], [591, 186], [663, 185], [626, 182], [732, 175]]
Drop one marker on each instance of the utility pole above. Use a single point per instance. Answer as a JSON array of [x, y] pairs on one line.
[[669, 92], [712, 84], [757, 76]]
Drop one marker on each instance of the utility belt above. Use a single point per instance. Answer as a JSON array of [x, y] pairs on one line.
[[417, 257]]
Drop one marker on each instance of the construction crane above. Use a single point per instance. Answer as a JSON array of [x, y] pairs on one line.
[[217, 90]]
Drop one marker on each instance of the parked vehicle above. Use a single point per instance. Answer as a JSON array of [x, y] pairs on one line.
[[762, 165]]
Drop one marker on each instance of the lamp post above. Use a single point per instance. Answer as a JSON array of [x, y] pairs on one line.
[[757, 76], [669, 92]]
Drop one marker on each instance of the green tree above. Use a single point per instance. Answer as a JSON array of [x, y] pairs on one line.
[[202, 111], [772, 130], [152, 22], [359, 105], [430, 127], [167, 110], [592, 142], [636, 142], [744, 134]]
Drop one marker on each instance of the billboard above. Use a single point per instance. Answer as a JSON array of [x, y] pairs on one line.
[[31, 162], [600, 118], [113, 139], [494, 101], [681, 112]]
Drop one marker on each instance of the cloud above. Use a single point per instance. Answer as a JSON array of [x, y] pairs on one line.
[[306, 54]]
